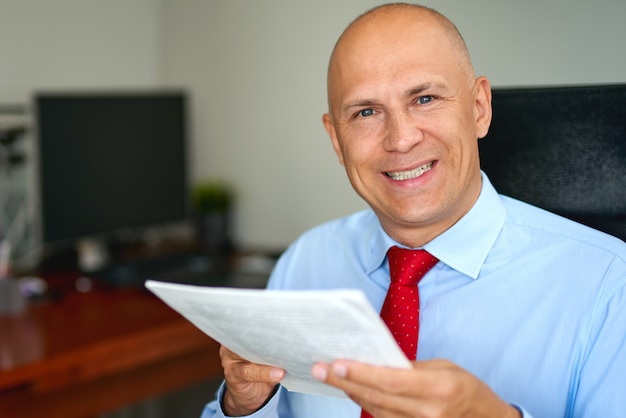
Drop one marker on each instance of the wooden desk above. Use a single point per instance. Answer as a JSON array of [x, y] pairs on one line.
[[88, 353]]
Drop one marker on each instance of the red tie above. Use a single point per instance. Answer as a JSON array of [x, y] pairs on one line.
[[400, 310]]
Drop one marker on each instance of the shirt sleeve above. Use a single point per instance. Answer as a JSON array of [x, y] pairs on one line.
[[599, 387], [214, 408]]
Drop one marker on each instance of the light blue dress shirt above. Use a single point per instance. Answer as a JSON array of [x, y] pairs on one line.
[[531, 303]]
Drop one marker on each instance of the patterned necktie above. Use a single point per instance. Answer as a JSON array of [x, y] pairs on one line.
[[400, 310]]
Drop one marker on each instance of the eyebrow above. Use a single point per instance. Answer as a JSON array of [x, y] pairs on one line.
[[419, 89], [412, 91], [359, 103]]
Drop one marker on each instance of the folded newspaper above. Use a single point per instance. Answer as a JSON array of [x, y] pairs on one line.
[[288, 329]]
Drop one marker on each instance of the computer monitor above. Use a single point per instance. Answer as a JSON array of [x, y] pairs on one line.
[[110, 162]]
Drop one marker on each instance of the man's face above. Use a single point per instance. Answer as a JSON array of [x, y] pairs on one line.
[[405, 118]]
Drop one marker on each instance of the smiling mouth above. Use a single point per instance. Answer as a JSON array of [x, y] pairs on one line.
[[407, 175]]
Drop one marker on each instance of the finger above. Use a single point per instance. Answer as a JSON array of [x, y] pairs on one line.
[[227, 355], [386, 379], [432, 388], [335, 375], [238, 369], [419, 380], [251, 372], [374, 400]]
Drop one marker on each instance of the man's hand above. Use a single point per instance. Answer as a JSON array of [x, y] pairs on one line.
[[248, 385], [435, 388]]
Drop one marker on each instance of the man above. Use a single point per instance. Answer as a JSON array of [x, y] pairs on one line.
[[524, 314]]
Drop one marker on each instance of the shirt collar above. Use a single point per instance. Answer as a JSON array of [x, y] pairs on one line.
[[463, 247]]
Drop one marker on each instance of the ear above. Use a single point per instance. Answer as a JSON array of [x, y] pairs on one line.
[[332, 133], [482, 106]]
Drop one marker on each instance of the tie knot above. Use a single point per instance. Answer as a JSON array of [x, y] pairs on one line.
[[407, 266]]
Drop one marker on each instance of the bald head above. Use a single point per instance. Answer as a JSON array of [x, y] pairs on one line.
[[384, 26]]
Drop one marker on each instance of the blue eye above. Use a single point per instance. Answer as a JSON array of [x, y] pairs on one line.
[[425, 99], [366, 112]]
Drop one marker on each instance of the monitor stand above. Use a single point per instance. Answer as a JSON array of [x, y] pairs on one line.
[[93, 254]]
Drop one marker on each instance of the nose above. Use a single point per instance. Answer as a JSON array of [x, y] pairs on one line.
[[402, 133]]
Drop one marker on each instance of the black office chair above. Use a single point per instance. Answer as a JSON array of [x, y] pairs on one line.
[[562, 149]]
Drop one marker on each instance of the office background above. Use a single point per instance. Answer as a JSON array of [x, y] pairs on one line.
[[255, 70]]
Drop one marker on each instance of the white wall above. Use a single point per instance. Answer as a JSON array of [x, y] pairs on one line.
[[537, 42], [257, 71], [59, 44]]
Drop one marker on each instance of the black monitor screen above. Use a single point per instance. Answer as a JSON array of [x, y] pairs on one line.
[[110, 161]]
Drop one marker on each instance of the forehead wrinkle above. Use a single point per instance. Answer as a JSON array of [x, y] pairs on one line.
[[422, 87], [361, 102], [409, 92]]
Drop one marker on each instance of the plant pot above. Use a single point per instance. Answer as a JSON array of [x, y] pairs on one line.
[[213, 233]]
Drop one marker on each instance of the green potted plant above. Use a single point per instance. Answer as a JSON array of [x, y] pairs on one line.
[[213, 202]]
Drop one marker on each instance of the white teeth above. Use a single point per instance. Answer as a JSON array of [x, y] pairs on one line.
[[406, 175]]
